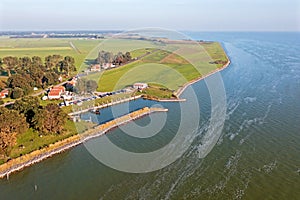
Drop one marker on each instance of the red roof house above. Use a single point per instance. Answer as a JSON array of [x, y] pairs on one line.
[[56, 92], [4, 93]]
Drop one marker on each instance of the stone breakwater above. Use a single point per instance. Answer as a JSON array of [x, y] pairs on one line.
[[20, 163]]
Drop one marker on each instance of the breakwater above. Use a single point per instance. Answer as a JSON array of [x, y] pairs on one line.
[[20, 163]]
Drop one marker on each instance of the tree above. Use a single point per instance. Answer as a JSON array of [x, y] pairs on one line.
[[27, 106], [85, 86], [49, 78], [52, 62], [21, 81], [54, 121], [105, 57], [91, 86], [128, 56], [2, 85], [24, 63], [119, 59], [11, 124], [36, 74], [17, 93], [10, 63]]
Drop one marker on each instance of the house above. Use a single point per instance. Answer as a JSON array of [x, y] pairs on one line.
[[67, 96], [56, 92], [98, 67], [140, 86], [95, 68], [107, 65], [4, 94]]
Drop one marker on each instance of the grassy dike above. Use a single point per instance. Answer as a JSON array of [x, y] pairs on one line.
[[36, 156]]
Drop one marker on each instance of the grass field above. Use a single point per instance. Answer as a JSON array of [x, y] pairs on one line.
[[31, 140], [156, 91], [171, 65], [46, 46], [186, 62]]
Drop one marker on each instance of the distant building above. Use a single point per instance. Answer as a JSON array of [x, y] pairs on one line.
[[107, 65], [67, 96], [98, 67], [140, 86], [95, 68], [56, 92], [4, 94]]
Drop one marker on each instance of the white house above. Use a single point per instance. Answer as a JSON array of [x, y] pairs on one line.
[[140, 86]]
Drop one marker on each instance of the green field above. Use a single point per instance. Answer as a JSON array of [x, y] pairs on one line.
[[45, 46], [171, 69], [32, 140], [170, 65]]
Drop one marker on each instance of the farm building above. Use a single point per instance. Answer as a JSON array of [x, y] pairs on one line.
[[95, 68], [56, 92], [140, 86]]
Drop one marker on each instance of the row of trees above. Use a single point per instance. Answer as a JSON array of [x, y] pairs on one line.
[[28, 113], [109, 57], [25, 73]]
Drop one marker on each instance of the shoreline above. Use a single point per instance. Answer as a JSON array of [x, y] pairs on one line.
[[181, 89], [36, 156]]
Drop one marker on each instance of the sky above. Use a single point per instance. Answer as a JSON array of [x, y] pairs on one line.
[[188, 15]]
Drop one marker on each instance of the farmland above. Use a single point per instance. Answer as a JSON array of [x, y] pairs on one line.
[[170, 65], [171, 69], [44, 46]]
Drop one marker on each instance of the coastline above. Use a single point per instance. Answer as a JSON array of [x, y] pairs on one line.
[[181, 89], [36, 156]]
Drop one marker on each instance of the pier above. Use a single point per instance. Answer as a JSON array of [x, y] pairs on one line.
[[105, 105]]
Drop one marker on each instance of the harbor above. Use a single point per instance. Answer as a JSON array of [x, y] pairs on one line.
[[20, 163]]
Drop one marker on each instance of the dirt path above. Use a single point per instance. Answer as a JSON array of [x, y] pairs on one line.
[[74, 47]]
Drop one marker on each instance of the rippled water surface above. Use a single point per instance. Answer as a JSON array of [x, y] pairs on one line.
[[256, 157]]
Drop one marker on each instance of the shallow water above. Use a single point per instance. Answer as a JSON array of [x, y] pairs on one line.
[[256, 157]]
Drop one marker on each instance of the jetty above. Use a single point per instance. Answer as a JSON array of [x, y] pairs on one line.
[[21, 162], [105, 105]]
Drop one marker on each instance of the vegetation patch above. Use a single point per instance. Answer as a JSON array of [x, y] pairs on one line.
[[156, 92]]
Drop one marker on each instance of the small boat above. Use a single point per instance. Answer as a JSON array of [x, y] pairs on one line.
[[95, 111]]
